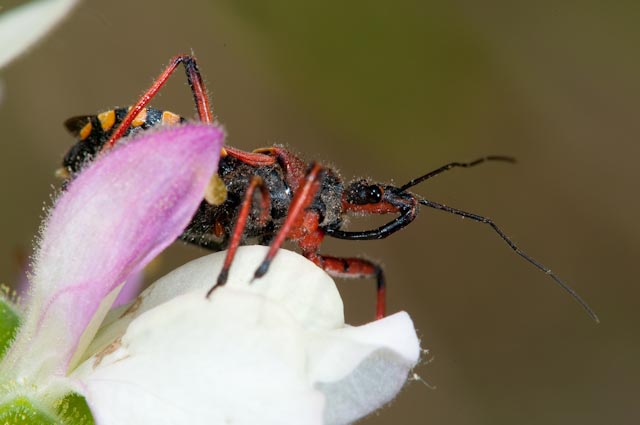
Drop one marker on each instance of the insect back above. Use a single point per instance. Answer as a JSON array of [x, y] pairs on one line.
[[94, 131]]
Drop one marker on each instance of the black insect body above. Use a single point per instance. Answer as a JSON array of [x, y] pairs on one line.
[[271, 195], [94, 131]]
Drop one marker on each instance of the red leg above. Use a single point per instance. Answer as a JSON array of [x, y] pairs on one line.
[[195, 82], [294, 168], [201, 100], [349, 268], [302, 226], [355, 268], [252, 158], [241, 223], [301, 200]]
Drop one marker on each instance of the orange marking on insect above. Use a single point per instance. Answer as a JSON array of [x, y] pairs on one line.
[[107, 119], [266, 151], [169, 118], [140, 119], [86, 130], [62, 173]]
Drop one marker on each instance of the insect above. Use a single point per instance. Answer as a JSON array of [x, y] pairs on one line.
[[271, 195]]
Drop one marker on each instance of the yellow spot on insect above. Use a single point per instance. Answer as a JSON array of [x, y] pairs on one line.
[[140, 118], [63, 173], [216, 192], [86, 131], [169, 118], [107, 119], [223, 152], [265, 151]]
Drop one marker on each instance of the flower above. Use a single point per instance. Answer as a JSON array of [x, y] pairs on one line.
[[21, 27], [273, 352], [118, 214]]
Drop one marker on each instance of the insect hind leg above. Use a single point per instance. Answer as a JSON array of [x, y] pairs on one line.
[[195, 83]]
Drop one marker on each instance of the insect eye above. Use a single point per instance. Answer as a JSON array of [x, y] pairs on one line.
[[361, 193]]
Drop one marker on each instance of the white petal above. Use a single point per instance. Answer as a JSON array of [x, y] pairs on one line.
[[23, 26], [236, 359], [360, 369], [307, 292], [275, 351]]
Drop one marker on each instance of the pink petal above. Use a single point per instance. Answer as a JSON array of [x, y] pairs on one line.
[[131, 289], [114, 218]]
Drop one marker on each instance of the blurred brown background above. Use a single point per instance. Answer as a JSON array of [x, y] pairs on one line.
[[392, 91]]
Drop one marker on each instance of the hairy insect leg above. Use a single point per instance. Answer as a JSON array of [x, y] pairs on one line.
[[201, 100], [195, 82], [301, 200], [517, 250], [353, 268], [256, 182]]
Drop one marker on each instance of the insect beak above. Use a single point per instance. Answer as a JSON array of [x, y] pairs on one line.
[[398, 197]]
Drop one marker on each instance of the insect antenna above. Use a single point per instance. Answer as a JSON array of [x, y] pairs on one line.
[[518, 251], [451, 165]]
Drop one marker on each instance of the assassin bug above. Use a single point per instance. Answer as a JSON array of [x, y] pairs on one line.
[[270, 195]]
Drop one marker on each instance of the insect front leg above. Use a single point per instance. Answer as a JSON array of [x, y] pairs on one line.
[[349, 268], [355, 268]]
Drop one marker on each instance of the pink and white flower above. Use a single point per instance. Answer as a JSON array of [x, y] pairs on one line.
[[273, 352]]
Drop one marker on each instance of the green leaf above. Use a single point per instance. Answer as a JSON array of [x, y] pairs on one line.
[[9, 324], [71, 410], [22, 412]]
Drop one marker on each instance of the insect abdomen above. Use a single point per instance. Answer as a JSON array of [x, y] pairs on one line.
[[93, 131]]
